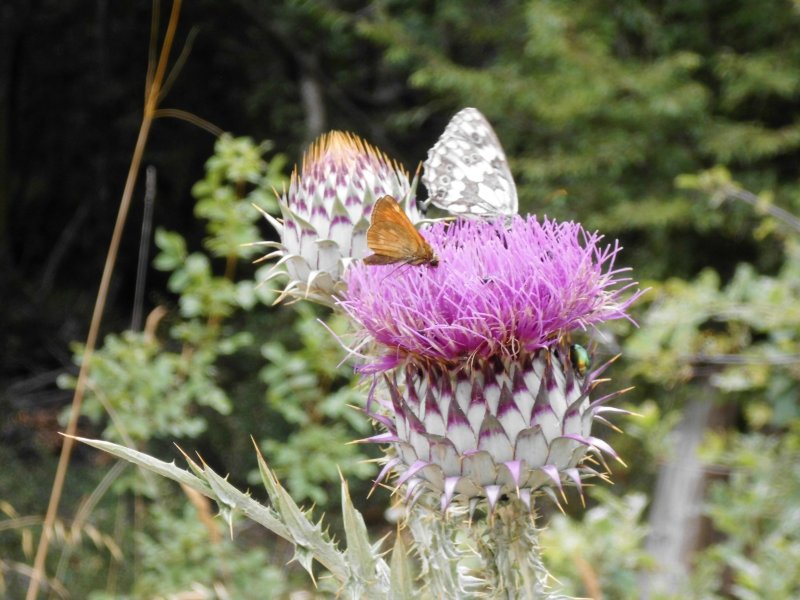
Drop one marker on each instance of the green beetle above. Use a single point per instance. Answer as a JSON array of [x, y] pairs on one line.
[[580, 359]]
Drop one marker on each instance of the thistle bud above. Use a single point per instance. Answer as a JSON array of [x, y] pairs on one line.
[[325, 213]]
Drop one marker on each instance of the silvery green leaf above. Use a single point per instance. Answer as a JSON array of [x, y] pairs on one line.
[[168, 470], [304, 532], [207, 483], [287, 522], [402, 580], [359, 551]]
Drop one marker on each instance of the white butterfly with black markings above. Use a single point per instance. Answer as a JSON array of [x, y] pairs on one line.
[[467, 173]]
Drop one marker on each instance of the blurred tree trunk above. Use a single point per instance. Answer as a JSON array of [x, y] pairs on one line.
[[314, 106], [676, 515]]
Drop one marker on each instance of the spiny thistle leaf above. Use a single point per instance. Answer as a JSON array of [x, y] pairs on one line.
[[168, 470], [214, 486], [306, 560], [402, 578], [197, 469], [304, 532], [359, 551]]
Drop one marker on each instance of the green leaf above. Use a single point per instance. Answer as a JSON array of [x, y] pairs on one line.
[[173, 250], [402, 580], [359, 551], [168, 470]]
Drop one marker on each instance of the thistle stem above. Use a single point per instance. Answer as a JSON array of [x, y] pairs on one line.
[[509, 547], [489, 557]]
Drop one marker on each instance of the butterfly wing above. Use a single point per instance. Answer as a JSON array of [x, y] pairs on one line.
[[393, 238], [467, 171]]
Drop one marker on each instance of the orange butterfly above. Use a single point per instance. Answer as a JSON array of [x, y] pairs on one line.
[[393, 238]]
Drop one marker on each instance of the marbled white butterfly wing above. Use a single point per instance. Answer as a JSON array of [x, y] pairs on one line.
[[467, 172]]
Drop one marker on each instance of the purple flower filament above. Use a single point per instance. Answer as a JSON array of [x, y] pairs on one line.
[[498, 291]]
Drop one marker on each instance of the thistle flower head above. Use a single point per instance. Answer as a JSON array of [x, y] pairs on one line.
[[482, 398], [497, 291], [325, 212]]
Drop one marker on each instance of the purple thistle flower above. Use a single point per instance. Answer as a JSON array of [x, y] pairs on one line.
[[496, 291], [479, 396]]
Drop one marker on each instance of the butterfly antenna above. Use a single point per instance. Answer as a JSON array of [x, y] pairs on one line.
[[395, 270]]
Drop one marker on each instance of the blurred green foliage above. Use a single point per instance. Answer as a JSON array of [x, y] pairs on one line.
[[318, 395], [143, 391], [161, 383], [147, 387], [176, 557], [601, 551], [755, 511]]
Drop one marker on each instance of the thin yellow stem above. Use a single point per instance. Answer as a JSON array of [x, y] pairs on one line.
[[91, 339]]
